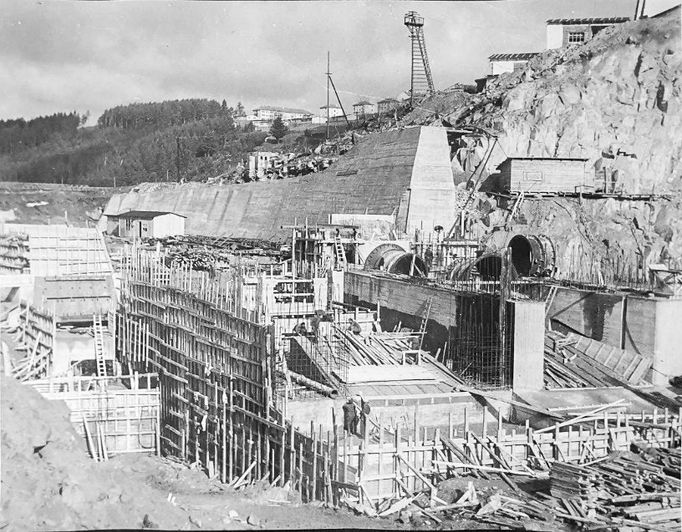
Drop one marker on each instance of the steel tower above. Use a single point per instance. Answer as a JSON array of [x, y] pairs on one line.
[[421, 81]]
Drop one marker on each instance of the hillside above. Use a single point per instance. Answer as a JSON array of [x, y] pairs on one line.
[[131, 144]]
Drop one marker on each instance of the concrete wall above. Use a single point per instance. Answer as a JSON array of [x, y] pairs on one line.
[[431, 411], [432, 189], [595, 315], [644, 325], [377, 176], [529, 345]]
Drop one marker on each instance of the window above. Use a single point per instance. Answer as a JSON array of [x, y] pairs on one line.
[[576, 36]]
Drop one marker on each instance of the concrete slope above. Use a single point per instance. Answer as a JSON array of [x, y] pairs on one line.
[[375, 177]]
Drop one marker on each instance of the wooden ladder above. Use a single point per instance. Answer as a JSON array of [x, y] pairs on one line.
[[340, 253], [516, 207], [425, 320], [548, 305], [99, 345]]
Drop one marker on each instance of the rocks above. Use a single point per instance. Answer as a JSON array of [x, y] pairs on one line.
[[147, 522]]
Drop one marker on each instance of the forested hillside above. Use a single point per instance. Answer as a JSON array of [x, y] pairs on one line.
[[130, 144]]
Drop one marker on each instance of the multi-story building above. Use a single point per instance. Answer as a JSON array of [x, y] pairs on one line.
[[269, 112], [363, 108], [333, 112], [387, 105]]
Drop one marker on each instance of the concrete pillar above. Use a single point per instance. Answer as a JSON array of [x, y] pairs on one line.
[[337, 285], [668, 341], [528, 347]]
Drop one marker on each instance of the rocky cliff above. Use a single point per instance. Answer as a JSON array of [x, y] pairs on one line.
[[615, 101]]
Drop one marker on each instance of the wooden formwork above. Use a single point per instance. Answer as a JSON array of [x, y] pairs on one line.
[[216, 364], [37, 332], [391, 461], [122, 419]]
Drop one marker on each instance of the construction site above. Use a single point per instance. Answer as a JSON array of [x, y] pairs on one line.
[[470, 320]]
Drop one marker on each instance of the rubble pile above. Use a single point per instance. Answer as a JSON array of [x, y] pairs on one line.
[[211, 253]]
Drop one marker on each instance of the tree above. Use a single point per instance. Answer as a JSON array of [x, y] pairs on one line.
[[240, 109], [278, 129]]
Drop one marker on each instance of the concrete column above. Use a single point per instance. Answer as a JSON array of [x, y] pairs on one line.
[[337, 285], [528, 347], [668, 341]]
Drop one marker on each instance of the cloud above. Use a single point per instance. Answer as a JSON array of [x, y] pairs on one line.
[[61, 56]]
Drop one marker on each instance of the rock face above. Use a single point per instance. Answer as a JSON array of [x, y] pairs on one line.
[[615, 101]]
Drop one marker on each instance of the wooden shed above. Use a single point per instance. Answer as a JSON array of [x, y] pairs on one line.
[[150, 224], [543, 175]]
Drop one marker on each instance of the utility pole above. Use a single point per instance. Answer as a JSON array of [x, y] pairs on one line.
[[177, 159], [328, 78], [338, 99]]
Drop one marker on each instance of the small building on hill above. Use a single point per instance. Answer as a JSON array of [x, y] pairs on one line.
[[150, 224], [387, 105], [542, 175], [501, 63], [363, 108], [564, 31]]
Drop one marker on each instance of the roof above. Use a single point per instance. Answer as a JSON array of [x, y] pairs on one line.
[[667, 11], [386, 100], [523, 56], [583, 159], [146, 215], [602, 20], [330, 106], [282, 109], [363, 102]]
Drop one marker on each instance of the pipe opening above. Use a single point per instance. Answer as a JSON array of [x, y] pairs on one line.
[[521, 255]]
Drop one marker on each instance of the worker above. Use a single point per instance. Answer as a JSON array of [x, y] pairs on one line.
[[349, 416], [428, 258], [354, 326], [362, 411]]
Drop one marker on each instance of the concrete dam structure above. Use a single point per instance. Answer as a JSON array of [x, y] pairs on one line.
[[404, 174]]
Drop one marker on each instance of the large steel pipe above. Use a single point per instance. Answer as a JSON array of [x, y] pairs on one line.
[[394, 259]]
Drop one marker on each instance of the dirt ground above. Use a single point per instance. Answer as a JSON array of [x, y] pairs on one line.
[[48, 482], [40, 203]]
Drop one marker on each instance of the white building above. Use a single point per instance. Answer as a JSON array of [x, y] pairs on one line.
[[150, 224], [260, 161], [333, 111], [364, 108], [564, 31], [501, 63], [269, 113]]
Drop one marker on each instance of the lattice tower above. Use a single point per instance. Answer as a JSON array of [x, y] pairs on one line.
[[421, 81]]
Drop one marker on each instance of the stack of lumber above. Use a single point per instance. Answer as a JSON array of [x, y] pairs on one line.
[[642, 487], [374, 350], [567, 366], [627, 365], [641, 491]]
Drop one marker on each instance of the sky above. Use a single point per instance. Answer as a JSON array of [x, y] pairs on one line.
[[59, 55]]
